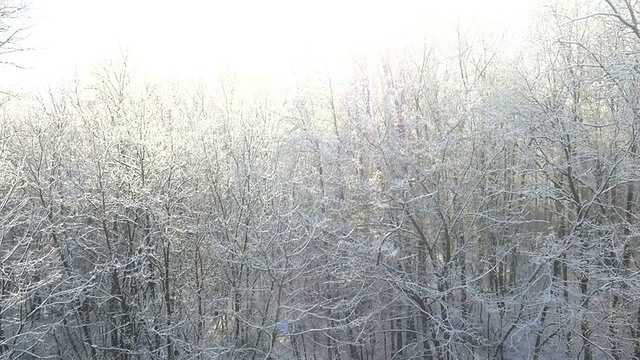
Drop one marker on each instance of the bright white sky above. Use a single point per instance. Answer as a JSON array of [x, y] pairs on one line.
[[265, 37]]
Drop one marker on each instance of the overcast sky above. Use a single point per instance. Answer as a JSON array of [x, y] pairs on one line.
[[191, 37]]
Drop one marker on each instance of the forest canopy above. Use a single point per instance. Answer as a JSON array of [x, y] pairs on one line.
[[463, 199]]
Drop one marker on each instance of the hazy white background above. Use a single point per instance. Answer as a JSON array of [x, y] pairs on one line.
[[260, 37]]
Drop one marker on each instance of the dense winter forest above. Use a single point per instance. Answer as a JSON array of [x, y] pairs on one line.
[[464, 199]]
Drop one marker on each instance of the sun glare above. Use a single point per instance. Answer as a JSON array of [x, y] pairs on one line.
[[260, 38]]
